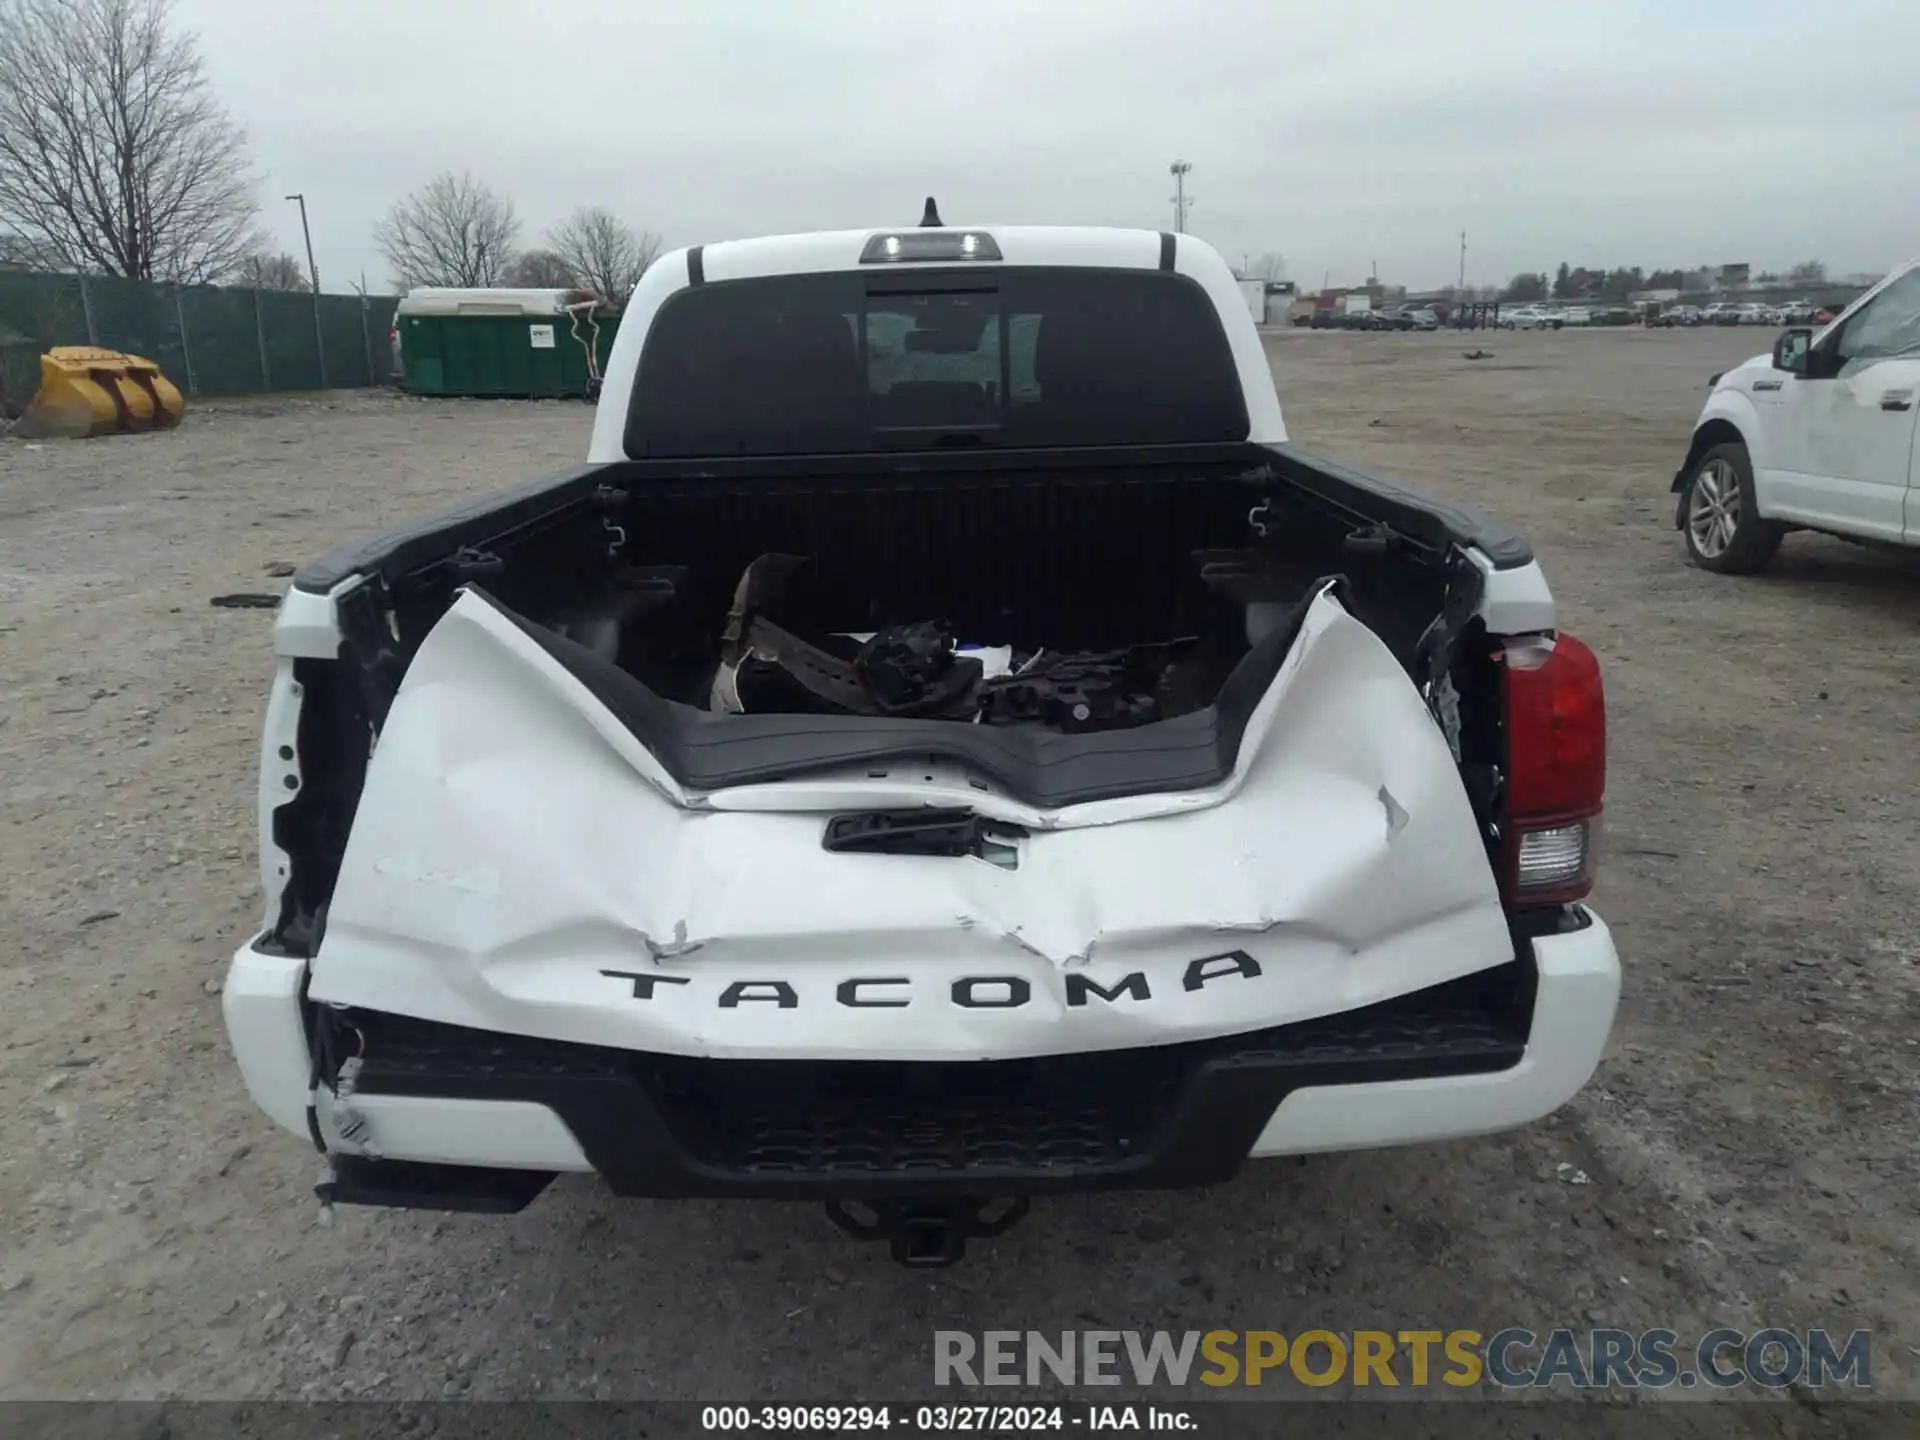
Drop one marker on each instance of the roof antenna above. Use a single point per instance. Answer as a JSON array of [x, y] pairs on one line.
[[932, 217]]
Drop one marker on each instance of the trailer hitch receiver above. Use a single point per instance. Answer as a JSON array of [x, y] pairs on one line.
[[928, 1234]]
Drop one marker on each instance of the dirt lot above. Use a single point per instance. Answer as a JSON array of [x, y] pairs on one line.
[[1748, 1146]]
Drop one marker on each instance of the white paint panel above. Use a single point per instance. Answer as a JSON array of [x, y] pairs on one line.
[[514, 843], [261, 1005], [1572, 1016]]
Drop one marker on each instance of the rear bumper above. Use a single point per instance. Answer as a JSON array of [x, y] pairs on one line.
[[433, 1108]]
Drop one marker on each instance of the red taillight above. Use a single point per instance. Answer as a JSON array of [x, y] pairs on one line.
[[1556, 770]]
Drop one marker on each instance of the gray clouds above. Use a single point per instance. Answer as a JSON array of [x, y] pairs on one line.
[[1618, 132]]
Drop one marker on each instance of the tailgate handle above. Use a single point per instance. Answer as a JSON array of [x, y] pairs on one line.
[[951, 833]]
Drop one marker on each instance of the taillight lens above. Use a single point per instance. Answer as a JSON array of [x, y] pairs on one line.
[[1556, 770]]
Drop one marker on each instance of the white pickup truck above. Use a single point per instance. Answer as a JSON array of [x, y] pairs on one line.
[[1817, 435], [945, 747]]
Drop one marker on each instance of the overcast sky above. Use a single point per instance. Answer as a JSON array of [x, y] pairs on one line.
[[1613, 132]]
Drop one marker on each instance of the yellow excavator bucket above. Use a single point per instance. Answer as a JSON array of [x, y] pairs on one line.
[[85, 392]]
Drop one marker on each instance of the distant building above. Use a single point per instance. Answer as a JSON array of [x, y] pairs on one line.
[[1732, 277], [1653, 297]]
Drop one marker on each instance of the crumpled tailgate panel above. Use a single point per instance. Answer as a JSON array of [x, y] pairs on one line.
[[520, 863]]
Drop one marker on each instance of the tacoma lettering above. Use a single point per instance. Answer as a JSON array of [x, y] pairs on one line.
[[848, 994], [643, 983], [1018, 992], [969, 992], [1079, 987], [1237, 962], [778, 991]]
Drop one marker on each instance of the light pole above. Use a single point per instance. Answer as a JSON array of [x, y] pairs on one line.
[[307, 234], [1180, 170], [319, 347]]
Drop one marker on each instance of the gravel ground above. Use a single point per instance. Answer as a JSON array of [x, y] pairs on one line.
[[1748, 1147]]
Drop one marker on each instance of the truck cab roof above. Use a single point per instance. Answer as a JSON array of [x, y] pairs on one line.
[[905, 261]]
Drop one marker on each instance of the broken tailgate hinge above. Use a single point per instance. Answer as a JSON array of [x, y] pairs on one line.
[[1440, 643], [350, 1123]]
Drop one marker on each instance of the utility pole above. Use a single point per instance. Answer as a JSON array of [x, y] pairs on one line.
[[1179, 170], [1462, 286], [312, 269], [319, 345]]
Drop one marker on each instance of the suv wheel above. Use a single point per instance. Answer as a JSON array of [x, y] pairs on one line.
[[1719, 517]]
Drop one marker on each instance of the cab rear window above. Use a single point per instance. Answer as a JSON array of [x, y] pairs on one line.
[[842, 363]]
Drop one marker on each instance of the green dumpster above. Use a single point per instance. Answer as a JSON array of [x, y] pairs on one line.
[[521, 344]]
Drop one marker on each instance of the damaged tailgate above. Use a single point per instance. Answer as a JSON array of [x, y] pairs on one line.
[[527, 858]]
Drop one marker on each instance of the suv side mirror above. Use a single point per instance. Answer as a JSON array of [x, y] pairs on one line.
[[1790, 350]]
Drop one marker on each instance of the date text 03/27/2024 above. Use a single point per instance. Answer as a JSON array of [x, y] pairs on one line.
[[942, 1419]]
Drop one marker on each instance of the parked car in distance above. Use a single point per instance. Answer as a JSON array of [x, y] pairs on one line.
[[1817, 435], [1720, 312], [1524, 317], [1576, 315], [1795, 312], [1409, 317], [1324, 319]]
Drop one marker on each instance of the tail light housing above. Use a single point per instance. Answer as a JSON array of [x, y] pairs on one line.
[[1556, 722]]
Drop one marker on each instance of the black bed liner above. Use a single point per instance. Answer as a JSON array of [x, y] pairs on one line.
[[707, 751]]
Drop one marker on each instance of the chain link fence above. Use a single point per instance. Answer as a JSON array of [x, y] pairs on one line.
[[208, 340]]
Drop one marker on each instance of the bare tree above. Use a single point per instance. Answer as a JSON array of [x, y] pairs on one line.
[[605, 254], [1270, 266], [271, 272], [452, 231], [542, 270], [19, 253], [114, 154]]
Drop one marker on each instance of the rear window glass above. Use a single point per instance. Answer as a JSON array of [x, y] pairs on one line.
[[849, 362]]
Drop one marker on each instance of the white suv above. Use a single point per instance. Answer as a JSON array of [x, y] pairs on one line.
[[1818, 435]]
